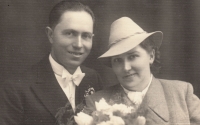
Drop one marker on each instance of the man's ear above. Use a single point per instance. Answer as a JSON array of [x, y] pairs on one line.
[[49, 33], [152, 56]]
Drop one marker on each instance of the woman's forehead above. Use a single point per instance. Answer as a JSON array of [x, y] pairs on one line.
[[136, 49]]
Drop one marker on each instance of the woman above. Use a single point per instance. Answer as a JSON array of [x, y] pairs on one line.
[[133, 54]]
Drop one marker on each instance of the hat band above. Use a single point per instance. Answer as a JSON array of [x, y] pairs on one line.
[[116, 41]]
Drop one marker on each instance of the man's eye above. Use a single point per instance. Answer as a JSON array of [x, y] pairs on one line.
[[69, 33], [87, 36]]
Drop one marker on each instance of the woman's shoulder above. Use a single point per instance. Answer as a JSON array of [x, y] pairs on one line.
[[173, 82], [175, 85]]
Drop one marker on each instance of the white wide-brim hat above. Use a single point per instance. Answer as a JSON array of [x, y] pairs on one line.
[[125, 34]]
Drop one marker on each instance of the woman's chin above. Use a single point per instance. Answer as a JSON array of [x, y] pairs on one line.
[[130, 86]]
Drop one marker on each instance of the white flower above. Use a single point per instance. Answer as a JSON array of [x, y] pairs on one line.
[[115, 120], [83, 119], [103, 106], [122, 108], [104, 123], [141, 120]]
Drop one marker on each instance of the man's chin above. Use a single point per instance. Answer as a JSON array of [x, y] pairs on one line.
[[75, 64]]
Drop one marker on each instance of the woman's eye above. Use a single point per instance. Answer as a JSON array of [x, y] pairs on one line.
[[132, 56], [117, 60]]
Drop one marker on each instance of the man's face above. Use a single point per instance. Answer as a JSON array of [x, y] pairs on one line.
[[71, 39]]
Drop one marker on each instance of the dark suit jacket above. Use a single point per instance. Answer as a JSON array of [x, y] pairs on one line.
[[167, 102], [34, 98]]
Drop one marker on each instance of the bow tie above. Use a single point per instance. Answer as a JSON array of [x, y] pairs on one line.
[[76, 78], [135, 97]]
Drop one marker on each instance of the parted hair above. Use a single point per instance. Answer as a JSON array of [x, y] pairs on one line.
[[67, 5], [149, 46]]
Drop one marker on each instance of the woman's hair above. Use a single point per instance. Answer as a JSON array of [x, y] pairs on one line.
[[149, 45]]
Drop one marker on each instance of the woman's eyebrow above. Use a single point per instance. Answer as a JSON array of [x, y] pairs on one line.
[[132, 52]]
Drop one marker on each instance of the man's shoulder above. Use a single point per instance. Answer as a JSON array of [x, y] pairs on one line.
[[90, 73], [30, 74], [87, 69], [41, 63]]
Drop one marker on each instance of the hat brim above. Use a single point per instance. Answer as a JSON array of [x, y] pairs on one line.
[[127, 44]]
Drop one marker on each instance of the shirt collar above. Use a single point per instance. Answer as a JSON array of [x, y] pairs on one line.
[[59, 69]]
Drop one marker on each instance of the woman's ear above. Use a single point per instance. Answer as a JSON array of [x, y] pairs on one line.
[[152, 56], [49, 33]]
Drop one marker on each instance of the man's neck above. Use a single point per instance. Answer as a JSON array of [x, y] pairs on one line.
[[57, 67], [70, 69]]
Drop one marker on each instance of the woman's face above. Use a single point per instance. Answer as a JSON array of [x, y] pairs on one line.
[[133, 68]]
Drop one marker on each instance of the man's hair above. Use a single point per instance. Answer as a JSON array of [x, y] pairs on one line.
[[63, 6]]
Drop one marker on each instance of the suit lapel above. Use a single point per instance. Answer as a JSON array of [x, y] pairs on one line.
[[83, 86], [80, 91], [119, 96], [116, 95], [47, 88], [155, 99]]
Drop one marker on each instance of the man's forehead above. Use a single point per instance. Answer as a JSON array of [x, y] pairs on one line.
[[75, 15], [78, 21]]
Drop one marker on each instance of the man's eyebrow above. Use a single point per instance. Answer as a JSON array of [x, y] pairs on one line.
[[74, 31], [70, 30]]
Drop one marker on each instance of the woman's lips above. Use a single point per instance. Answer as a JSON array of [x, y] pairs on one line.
[[129, 75]]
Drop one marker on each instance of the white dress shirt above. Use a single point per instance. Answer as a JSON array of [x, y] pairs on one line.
[[65, 81], [137, 97]]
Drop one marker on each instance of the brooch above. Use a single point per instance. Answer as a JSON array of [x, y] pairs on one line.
[[89, 91]]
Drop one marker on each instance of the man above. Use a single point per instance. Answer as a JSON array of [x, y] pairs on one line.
[[58, 79]]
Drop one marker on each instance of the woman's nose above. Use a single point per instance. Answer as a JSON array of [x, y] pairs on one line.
[[127, 65], [78, 42]]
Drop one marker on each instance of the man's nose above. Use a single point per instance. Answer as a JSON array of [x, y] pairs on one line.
[[78, 42], [127, 65]]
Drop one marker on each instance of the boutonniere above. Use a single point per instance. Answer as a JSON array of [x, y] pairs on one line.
[[89, 91], [65, 115]]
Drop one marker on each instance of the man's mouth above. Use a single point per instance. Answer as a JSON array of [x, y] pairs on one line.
[[76, 53]]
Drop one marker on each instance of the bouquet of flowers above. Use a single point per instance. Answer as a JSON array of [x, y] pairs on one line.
[[115, 112], [107, 114]]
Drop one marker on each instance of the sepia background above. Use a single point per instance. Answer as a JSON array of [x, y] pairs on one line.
[[23, 41]]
